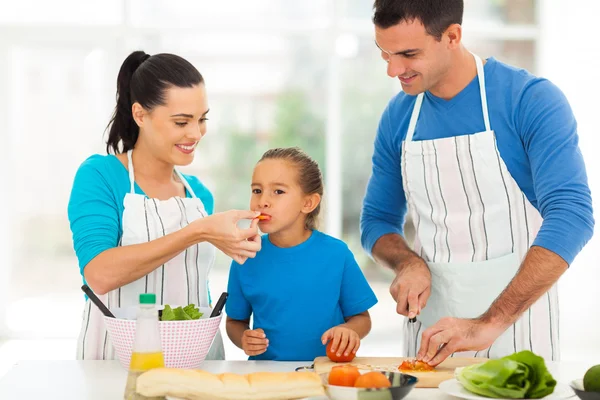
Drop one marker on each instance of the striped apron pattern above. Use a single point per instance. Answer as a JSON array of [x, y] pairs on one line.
[[180, 281], [474, 227]]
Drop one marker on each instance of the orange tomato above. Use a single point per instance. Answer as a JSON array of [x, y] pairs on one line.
[[372, 380], [334, 357], [343, 375]]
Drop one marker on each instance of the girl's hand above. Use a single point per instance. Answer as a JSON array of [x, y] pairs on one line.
[[221, 230], [254, 342], [345, 340]]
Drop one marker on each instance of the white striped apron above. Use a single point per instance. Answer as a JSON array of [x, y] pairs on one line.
[[180, 281], [474, 226]]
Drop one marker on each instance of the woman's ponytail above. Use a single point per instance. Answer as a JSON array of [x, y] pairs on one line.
[[122, 127]]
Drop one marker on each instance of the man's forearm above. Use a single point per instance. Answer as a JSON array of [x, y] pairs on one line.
[[539, 271], [392, 251]]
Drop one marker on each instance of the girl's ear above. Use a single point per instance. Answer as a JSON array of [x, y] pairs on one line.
[[311, 202]]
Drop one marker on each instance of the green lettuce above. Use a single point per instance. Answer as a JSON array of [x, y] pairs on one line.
[[192, 311], [188, 312], [521, 375]]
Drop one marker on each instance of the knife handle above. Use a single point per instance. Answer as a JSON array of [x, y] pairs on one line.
[[219, 306]]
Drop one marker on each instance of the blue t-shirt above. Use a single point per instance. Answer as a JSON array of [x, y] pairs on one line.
[[296, 294], [536, 134], [96, 205]]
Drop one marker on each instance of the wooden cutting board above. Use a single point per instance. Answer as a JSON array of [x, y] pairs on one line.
[[432, 379]]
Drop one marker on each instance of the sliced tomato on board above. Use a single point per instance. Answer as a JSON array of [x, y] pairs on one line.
[[415, 366]]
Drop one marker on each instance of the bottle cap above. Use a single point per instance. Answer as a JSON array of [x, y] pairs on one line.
[[147, 298]]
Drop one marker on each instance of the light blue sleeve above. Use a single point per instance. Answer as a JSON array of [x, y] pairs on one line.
[[237, 307], [384, 206], [549, 132], [93, 214], [356, 295]]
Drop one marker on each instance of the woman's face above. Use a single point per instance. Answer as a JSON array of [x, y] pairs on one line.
[[172, 131]]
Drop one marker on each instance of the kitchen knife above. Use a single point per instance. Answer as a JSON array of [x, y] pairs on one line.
[[412, 340]]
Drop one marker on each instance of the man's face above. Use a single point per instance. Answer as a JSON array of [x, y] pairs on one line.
[[416, 58]]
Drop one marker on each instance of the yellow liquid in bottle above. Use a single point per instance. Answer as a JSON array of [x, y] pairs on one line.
[[140, 363], [146, 361]]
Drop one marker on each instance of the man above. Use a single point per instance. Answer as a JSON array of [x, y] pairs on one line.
[[484, 156]]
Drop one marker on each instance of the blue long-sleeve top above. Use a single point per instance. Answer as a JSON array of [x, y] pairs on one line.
[[536, 133]]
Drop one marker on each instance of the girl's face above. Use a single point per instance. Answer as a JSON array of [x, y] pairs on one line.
[[277, 194], [172, 131]]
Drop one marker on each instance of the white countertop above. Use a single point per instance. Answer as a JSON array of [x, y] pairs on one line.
[[105, 380]]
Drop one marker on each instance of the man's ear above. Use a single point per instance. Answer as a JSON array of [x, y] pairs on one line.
[[138, 113], [311, 202], [454, 36]]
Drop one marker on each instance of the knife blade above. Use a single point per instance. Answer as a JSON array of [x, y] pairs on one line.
[[411, 338]]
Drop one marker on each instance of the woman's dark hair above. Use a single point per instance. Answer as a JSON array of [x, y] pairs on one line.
[[145, 79], [435, 15], [309, 176]]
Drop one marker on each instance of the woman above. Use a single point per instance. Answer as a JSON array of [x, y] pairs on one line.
[[138, 224]]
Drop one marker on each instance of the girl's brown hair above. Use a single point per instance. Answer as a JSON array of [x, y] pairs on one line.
[[309, 176]]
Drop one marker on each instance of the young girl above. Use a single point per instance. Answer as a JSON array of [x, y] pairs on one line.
[[304, 287]]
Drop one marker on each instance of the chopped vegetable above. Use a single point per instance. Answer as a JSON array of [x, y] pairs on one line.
[[413, 365]]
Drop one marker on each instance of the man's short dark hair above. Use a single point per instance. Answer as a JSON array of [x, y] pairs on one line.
[[435, 15]]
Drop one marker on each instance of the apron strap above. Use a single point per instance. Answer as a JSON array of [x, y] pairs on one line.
[[131, 175], [186, 184], [484, 107], [414, 117]]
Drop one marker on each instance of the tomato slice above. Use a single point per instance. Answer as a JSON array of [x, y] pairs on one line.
[[413, 365]]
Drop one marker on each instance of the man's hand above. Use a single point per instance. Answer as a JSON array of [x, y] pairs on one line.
[[254, 342], [411, 287], [450, 335]]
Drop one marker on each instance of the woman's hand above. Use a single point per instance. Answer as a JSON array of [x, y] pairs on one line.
[[222, 231]]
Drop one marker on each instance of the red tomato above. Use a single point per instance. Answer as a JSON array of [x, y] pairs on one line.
[[333, 356], [343, 375]]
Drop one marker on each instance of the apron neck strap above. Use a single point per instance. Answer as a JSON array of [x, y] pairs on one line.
[[132, 177], [186, 184], [486, 117], [414, 117], [484, 106]]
